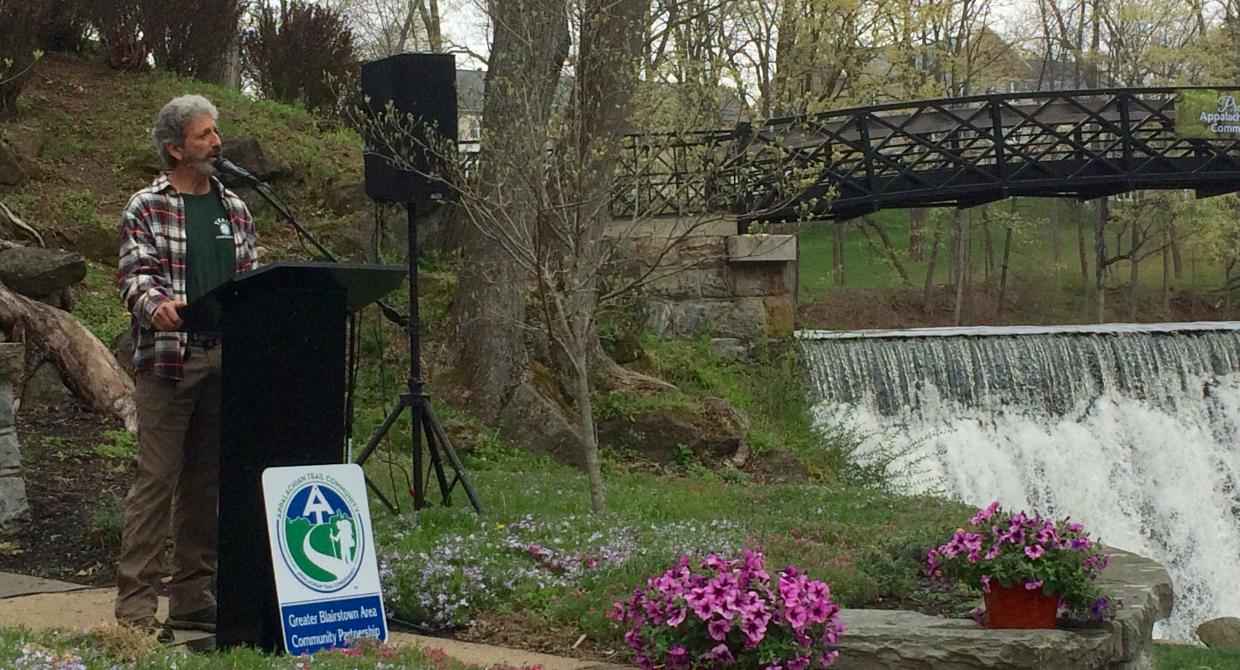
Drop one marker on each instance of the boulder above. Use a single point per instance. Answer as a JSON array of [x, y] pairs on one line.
[[46, 388], [713, 431], [248, 153], [26, 141], [11, 172], [346, 198], [778, 466], [1220, 632], [40, 273]]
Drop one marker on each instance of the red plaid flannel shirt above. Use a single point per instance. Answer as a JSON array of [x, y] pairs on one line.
[[151, 269]]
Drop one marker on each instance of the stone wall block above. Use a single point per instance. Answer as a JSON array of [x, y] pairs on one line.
[[779, 316], [14, 510], [10, 453], [656, 316], [760, 279]]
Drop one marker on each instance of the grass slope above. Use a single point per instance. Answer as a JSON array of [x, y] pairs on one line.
[[1043, 287]]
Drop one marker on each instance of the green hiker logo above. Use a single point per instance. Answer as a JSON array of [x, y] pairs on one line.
[[320, 537]]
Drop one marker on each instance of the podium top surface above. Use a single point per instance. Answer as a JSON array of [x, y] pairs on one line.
[[362, 283]]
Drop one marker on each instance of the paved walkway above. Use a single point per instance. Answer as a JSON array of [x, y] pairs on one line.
[[42, 604]]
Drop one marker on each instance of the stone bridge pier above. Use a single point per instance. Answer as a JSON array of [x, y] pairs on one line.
[[739, 290]]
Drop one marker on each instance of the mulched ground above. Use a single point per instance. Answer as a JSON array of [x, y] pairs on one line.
[[70, 487]]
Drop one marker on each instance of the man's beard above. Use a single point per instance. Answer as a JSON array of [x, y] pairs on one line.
[[204, 166]]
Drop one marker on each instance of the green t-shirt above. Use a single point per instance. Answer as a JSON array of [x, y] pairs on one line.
[[210, 254]]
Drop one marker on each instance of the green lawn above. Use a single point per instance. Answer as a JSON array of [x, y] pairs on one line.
[[1032, 260], [1174, 657]]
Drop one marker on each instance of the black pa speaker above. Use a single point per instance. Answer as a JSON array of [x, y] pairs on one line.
[[422, 91]]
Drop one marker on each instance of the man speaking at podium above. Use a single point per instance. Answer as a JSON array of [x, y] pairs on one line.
[[180, 237]]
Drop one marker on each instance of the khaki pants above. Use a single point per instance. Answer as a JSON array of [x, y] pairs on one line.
[[178, 478]]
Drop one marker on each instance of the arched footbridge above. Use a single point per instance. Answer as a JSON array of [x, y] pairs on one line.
[[953, 151]]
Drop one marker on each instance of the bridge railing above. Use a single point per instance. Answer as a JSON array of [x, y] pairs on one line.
[[959, 151]]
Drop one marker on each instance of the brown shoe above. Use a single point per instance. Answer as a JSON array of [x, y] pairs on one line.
[[151, 626], [203, 619]]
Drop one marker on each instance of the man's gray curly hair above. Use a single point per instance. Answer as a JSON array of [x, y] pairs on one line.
[[172, 121]]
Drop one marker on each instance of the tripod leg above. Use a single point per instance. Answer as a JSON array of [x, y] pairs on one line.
[[382, 498], [433, 421], [445, 490], [415, 429], [378, 435]]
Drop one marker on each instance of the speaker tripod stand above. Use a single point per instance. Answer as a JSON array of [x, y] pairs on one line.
[[424, 423]]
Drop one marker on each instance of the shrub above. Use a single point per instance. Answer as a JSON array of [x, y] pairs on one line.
[[18, 49], [730, 612], [61, 25], [119, 23], [302, 53], [192, 37]]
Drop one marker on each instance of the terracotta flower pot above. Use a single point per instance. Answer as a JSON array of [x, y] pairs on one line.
[[1018, 607]]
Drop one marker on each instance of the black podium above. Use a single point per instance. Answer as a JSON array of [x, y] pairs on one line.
[[284, 341]]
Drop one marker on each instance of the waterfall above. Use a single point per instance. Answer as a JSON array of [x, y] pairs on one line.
[[1129, 429]]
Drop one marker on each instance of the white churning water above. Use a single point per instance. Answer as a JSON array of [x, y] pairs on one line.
[[1129, 429]]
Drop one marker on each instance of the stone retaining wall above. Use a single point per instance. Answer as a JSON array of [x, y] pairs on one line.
[[901, 640], [736, 289], [14, 508]]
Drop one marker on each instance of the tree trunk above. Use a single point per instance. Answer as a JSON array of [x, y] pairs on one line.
[[1053, 222], [1226, 286], [1077, 217], [84, 362], [1134, 265], [589, 437], [927, 291], [1003, 272], [988, 249], [1100, 259], [892, 256], [1175, 254], [916, 234], [1166, 273], [528, 50], [837, 253], [962, 262]]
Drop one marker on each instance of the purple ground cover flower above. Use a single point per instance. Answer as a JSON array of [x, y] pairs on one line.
[[738, 614]]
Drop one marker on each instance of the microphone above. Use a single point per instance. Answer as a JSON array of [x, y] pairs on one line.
[[225, 166]]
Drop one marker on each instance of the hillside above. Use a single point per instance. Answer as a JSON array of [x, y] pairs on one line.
[[82, 136]]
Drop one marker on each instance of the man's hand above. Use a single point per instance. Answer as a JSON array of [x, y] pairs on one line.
[[166, 317]]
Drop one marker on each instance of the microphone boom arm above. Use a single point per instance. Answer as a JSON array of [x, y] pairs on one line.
[[263, 189]]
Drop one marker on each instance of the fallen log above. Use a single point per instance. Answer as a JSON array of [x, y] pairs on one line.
[[85, 363]]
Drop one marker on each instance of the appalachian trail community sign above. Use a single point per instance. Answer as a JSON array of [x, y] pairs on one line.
[[323, 556], [1208, 114]]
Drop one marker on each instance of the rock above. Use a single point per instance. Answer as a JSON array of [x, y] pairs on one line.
[[27, 142], [14, 507], [46, 388], [122, 350], [11, 172], [539, 425], [898, 640], [348, 198], [248, 153], [777, 467], [1220, 632], [713, 431], [39, 273], [730, 348]]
